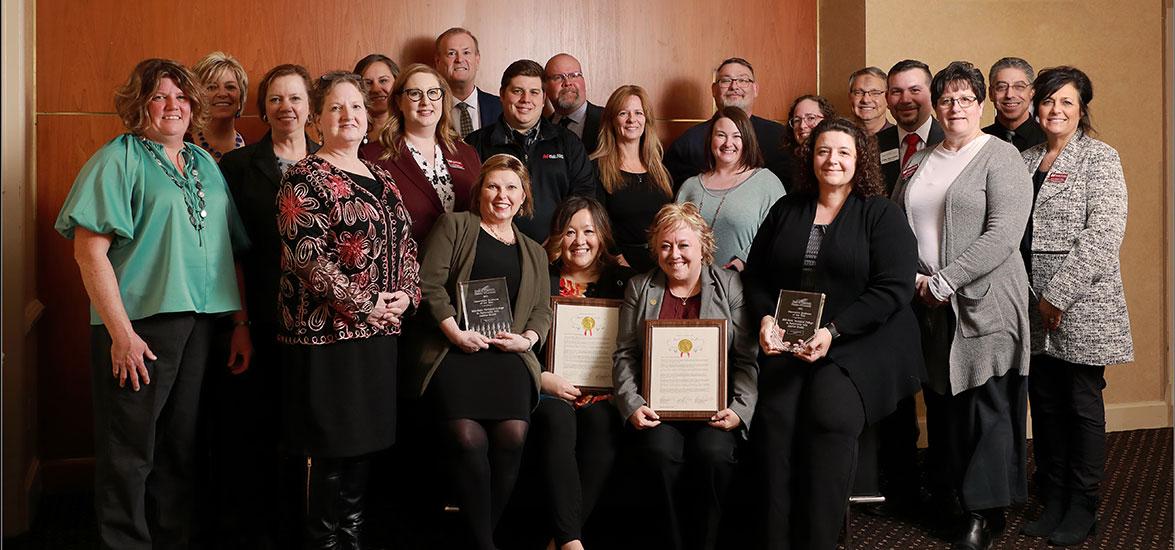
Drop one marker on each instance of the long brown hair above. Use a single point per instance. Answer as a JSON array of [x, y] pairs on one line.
[[607, 154], [562, 219], [392, 134]]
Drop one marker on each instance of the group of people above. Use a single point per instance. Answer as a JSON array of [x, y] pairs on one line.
[[976, 265]]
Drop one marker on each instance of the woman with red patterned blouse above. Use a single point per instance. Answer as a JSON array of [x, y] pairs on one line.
[[349, 274]]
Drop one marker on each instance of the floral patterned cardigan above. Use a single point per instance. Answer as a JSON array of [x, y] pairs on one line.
[[341, 246]]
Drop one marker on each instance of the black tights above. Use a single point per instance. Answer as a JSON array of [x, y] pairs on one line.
[[483, 463]]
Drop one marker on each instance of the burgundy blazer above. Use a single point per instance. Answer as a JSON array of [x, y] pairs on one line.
[[419, 196]]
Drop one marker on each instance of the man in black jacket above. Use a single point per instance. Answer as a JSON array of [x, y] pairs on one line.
[[566, 87], [556, 159]]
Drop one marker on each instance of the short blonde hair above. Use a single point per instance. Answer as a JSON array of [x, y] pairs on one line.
[[687, 214], [212, 64], [131, 99], [499, 163]]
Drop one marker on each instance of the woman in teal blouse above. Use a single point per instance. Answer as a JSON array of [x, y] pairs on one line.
[[154, 231]]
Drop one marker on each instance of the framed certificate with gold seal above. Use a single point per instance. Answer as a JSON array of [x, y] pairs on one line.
[[583, 338], [685, 368]]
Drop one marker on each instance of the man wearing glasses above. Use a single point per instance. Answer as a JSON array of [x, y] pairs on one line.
[[567, 91], [908, 97], [734, 86], [1011, 94], [867, 96]]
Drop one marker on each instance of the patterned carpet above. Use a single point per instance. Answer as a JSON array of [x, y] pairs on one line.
[[1135, 510]]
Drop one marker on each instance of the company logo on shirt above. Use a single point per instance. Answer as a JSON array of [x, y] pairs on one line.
[[455, 164], [553, 156]]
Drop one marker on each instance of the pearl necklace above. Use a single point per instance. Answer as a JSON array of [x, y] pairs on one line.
[[193, 199]]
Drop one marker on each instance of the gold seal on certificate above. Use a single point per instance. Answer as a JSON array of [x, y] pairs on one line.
[[798, 314], [485, 306], [685, 368], [583, 338]]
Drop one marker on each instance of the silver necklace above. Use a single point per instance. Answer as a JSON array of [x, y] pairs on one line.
[[494, 232], [193, 198]]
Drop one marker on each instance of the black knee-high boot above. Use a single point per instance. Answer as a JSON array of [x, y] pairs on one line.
[[323, 483], [352, 489]]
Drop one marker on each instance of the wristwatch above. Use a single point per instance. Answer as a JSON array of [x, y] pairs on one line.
[[832, 330]]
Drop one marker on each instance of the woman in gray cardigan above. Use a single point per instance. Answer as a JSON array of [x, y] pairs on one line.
[[968, 200], [1079, 320]]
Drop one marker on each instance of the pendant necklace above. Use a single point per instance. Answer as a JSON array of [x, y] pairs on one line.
[[193, 198]]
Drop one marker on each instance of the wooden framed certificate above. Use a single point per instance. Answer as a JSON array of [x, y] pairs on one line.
[[485, 306], [685, 368], [583, 338]]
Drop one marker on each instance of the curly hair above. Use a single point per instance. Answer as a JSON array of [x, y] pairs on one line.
[[867, 180], [826, 109], [671, 215], [562, 219], [131, 99]]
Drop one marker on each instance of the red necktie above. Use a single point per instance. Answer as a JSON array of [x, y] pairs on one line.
[[911, 142]]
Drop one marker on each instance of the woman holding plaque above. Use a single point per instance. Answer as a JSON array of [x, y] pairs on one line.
[[1079, 322], [686, 285], [481, 387], [968, 200], [349, 274], [836, 236]]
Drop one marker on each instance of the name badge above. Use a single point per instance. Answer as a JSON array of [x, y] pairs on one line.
[[909, 171], [455, 164], [552, 156], [1058, 177], [889, 156]]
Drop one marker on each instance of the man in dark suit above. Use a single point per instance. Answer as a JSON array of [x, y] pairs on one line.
[[1010, 87], [566, 89], [457, 57], [555, 158], [734, 86], [908, 96]]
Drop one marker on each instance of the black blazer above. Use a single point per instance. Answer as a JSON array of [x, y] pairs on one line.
[[253, 178], [591, 127], [887, 140], [489, 107], [865, 268]]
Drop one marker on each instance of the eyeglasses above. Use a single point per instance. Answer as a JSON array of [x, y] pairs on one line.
[[1002, 87], [416, 94], [810, 120], [858, 94], [964, 102], [564, 77], [726, 81]]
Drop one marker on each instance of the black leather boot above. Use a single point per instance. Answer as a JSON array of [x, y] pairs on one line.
[[323, 483], [352, 491], [1079, 523], [976, 536], [1050, 518]]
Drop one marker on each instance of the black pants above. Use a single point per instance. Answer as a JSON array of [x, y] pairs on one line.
[[144, 455], [576, 449], [808, 423], [975, 447], [898, 454], [1068, 425], [690, 465]]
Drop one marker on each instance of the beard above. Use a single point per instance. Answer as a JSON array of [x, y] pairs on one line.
[[567, 100], [742, 102]]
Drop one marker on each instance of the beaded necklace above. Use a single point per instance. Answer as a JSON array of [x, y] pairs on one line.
[[193, 195], [238, 142]]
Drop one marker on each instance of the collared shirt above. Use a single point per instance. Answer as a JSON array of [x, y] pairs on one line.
[[524, 139], [455, 114], [1026, 136], [577, 118], [923, 132], [162, 263]]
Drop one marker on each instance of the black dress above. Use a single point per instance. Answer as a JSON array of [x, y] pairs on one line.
[[631, 210], [490, 384], [339, 399]]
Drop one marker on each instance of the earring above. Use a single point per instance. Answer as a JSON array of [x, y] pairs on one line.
[[365, 140]]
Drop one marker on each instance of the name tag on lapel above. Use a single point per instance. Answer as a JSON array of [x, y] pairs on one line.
[[455, 164], [909, 171], [889, 156], [1058, 177]]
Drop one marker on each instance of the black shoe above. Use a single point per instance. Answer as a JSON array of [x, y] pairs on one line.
[[1079, 523], [352, 489], [323, 481], [1054, 511], [997, 520], [977, 536]]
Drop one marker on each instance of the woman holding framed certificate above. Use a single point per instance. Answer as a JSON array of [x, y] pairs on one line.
[[836, 235], [482, 386], [686, 286]]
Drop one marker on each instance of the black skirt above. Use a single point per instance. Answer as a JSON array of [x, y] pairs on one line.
[[339, 399], [487, 385]]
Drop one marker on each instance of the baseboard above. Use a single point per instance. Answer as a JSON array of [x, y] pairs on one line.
[[1120, 417]]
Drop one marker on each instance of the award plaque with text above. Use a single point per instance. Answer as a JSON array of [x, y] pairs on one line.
[[685, 368], [583, 337], [798, 314], [485, 306]]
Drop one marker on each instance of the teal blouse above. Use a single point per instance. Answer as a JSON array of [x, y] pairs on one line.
[[162, 263]]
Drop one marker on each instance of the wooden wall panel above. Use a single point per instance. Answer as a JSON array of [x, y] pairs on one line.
[[86, 49]]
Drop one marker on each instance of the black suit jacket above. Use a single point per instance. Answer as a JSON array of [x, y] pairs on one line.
[[865, 267], [253, 178], [489, 107], [591, 127], [887, 140]]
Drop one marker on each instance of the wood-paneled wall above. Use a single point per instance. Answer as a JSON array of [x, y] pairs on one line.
[[86, 49]]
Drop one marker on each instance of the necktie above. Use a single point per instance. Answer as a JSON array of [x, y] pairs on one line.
[[466, 121], [1010, 134], [911, 143], [566, 122]]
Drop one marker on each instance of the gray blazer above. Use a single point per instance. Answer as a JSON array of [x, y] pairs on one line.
[[1077, 229], [722, 298], [987, 209]]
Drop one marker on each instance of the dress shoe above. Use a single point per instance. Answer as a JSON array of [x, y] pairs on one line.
[[1054, 511], [977, 536], [1079, 523]]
